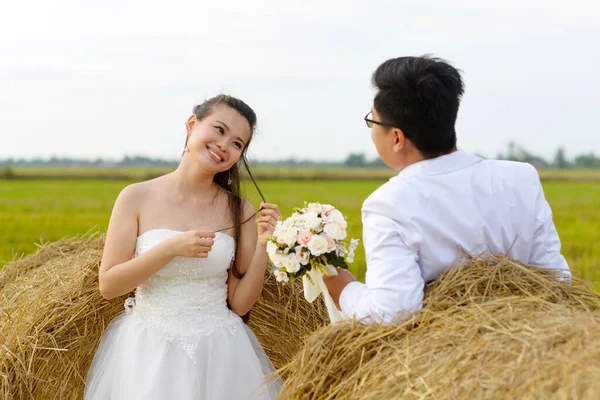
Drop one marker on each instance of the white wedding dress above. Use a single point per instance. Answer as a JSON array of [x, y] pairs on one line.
[[177, 340]]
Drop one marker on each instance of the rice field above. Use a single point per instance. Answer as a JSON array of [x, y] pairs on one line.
[[260, 172], [36, 211]]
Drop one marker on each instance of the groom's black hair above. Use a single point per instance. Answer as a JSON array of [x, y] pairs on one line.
[[420, 95]]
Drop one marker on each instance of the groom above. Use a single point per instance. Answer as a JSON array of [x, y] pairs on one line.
[[442, 199]]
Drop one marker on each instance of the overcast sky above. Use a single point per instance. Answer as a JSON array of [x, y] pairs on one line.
[[121, 77]]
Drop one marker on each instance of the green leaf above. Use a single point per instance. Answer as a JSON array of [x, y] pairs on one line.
[[339, 263]]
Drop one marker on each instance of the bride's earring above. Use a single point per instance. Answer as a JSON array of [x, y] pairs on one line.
[[229, 180]]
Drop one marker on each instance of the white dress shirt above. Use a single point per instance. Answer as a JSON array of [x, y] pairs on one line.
[[415, 225]]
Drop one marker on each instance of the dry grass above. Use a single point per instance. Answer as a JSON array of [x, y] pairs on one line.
[[495, 329], [52, 317], [282, 319]]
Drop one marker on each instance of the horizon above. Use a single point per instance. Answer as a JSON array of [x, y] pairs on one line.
[[519, 153]]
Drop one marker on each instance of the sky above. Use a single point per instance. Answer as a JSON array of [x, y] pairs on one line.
[[114, 78]]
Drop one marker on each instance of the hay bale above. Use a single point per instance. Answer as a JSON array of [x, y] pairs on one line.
[[495, 329], [282, 319], [52, 317]]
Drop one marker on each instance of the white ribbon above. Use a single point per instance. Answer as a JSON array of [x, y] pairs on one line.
[[313, 289]]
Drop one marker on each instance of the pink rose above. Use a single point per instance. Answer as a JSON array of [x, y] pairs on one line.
[[303, 256], [330, 244], [304, 237]]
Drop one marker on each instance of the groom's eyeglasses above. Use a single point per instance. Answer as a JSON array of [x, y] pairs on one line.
[[370, 122]]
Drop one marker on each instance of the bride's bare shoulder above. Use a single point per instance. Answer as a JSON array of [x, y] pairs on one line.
[[136, 193]]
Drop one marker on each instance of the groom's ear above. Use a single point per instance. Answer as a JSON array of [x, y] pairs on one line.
[[399, 140]]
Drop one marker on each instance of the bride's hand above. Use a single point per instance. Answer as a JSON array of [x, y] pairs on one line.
[[192, 244], [267, 218]]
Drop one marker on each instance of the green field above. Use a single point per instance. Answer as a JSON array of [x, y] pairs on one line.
[[34, 211], [260, 172]]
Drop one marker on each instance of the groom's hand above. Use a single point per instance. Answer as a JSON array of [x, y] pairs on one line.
[[336, 284]]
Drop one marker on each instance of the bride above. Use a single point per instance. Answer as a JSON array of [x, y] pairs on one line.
[[182, 243]]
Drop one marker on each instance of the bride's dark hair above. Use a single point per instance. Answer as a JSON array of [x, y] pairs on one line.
[[222, 179]]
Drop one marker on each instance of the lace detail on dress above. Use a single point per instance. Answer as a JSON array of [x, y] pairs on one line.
[[187, 298]]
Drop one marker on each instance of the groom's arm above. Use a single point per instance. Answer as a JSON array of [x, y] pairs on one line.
[[394, 284], [545, 246]]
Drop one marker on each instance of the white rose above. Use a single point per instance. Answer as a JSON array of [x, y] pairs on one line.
[[314, 208], [296, 220], [335, 230], [312, 221], [281, 276], [277, 259], [318, 245], [336, 216], [303, 256], [291, 263], [288, 236], [284, 225], [272, 248], [278, 232], [327, 207]]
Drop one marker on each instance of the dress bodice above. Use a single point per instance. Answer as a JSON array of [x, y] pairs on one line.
[[187, 298], [184, 269]]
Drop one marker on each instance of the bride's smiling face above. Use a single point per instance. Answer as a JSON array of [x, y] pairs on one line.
[[218, 141]]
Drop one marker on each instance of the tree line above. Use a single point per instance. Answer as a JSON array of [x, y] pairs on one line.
[[513, 152]]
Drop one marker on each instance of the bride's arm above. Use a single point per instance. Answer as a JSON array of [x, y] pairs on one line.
[[251, 257], [119, 272]]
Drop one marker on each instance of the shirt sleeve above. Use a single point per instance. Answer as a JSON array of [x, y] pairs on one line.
[[394, 283], [545, 248]]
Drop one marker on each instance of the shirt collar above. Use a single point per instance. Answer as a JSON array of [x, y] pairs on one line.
[[447, 163]]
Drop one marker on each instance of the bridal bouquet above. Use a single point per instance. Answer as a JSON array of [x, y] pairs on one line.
[[310, 244]]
